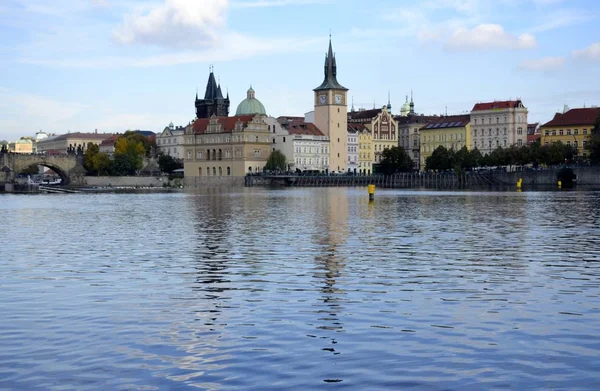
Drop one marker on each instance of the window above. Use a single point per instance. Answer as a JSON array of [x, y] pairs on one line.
[[273, 140], [189, 154], [475, 132], [576, 132], [220, 171], [520, 142], [284, 139], [547, 133], [338, 140], [505, 142], [554, 132], [199, 155], [257, 152], [208, 171], [256, 138], [229, 168], [584, 131], [568, 132], [561, 132], [497, 120], [214, 171]]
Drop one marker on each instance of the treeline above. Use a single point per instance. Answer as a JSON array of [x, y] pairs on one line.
[[534, 154], [130, 150]]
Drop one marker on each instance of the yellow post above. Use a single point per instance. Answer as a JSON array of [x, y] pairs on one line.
[[559, 184], [371, 192], [519, 183]]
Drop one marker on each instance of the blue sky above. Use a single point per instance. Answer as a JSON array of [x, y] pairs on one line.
[[80, 65]]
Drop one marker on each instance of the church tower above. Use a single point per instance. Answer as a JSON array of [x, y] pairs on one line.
[[331, 114], [213, 102]]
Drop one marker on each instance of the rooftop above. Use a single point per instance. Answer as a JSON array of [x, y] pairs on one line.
[[498, 105], [227, 123], [297, 125], [574, 117], [449, 121]]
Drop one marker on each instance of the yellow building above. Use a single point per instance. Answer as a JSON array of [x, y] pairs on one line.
[[573, 127], [226, 146], [366, 153], [451, 132], [24, 145], [384, 130]]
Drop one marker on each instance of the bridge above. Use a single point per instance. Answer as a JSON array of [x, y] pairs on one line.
[[68, 167]]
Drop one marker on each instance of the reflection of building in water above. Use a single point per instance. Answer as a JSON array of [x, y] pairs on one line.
[[330, 262]]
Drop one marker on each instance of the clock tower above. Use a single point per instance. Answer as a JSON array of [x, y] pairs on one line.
[[331, 114]]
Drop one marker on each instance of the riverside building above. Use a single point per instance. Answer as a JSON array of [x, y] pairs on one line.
[[573, 127], [451, 132], [498, 124]]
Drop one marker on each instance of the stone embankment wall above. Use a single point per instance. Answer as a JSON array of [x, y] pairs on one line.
[[128, 181], [213, 181], [586, 176]]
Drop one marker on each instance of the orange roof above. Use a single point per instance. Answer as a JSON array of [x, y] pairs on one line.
[[575, 117], [505, 104], [227, 123]]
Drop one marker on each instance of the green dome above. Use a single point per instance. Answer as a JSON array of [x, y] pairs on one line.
[[405, 108], [250, 105]]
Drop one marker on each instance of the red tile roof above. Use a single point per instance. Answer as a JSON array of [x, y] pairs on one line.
[[110, 141], [296, 125], [575, 117], [449, 121], [227, 123], [498, 105]]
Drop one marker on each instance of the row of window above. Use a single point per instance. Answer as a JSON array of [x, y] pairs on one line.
[[520, 119], [228, 139], [318, 150], [172, 140], [214, 171], [561, 132], [310, 161], [443, 137]]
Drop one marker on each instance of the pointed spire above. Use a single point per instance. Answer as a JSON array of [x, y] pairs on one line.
[[389, 105], [330, 71], [352, 109]]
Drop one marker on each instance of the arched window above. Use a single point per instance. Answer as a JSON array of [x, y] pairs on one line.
[[214, 155], [208, 155], [220, 155], [214, 171], [220, 171], [199, 171], [229, 168], [207, 171], [249, 169]]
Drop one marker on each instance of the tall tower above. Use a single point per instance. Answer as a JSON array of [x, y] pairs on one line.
[[331, 113], [213, 102]]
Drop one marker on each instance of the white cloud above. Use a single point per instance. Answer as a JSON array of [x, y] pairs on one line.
[[488, 37], [175, 23], [591, 52], [276, 3], [543, 64], [560, 18]]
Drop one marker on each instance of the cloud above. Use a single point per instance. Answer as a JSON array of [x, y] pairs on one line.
[[591, 52], [276, 3], [560, 18], [175, 23], [543, 64], [488, 37]]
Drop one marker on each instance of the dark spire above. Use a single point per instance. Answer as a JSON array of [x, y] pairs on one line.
[[211, 87], [389, 105], [412, 104], [330, 81]]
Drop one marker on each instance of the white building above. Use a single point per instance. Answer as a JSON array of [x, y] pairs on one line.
[[303, 144], [352, 136], [498, 124], [171, 141]]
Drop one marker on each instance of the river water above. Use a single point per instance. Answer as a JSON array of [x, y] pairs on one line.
[[300, 289]]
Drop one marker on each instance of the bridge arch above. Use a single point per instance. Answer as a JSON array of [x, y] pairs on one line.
[[64, 176]]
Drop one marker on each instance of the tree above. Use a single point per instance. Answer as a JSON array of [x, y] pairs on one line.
[[89, 155], [102, 163], [169, 164], [276, 161], [31, 170], [129, 155], [148, 143], [395, 159], [593, 145], [440, 159]]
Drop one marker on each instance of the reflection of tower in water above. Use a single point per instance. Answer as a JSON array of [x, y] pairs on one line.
[[332, 234]]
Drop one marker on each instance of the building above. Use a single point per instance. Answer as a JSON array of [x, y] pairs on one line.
[[304, 145], [250, 105], [226, 146], [171, 141], [573, 127], [451, 132], [70, 141], [498, 124], [533, 133], [213, 102], [352, 136], [24, 145], [330, 100], [366, 153], [384, 129]]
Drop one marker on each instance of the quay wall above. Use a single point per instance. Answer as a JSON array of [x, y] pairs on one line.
[[197, 182], [126, 181]]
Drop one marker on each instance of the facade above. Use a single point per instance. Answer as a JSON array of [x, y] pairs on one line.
[[330, 100], [352, 149], [366, 152], [108, 146], [533, 133], [573, 127], [451, 132], [171, 141], [409, 136], [305, 146], [250, 105], [24, 145], [226, 146], [498, 124], [213, 102], [63, 142], [384, 129]]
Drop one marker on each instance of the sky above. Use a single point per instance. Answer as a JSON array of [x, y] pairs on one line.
[[113, 65]]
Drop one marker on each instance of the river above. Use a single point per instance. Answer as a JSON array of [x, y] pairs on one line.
[[300, 289]]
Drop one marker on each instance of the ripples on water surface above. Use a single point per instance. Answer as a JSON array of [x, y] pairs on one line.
[[300, 289]]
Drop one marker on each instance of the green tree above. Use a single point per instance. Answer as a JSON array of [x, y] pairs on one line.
[[102, 164], [31, 170], [89, 155], [593, 144], [276, 161], [169, 164], [441, 159], [395, 159], [129, 155], [149, 143]]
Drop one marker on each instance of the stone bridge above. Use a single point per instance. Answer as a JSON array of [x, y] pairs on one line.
[[68, 167]]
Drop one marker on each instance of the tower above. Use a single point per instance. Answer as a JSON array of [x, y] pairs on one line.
[[331, 113], [412, 104], [213, 102]]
